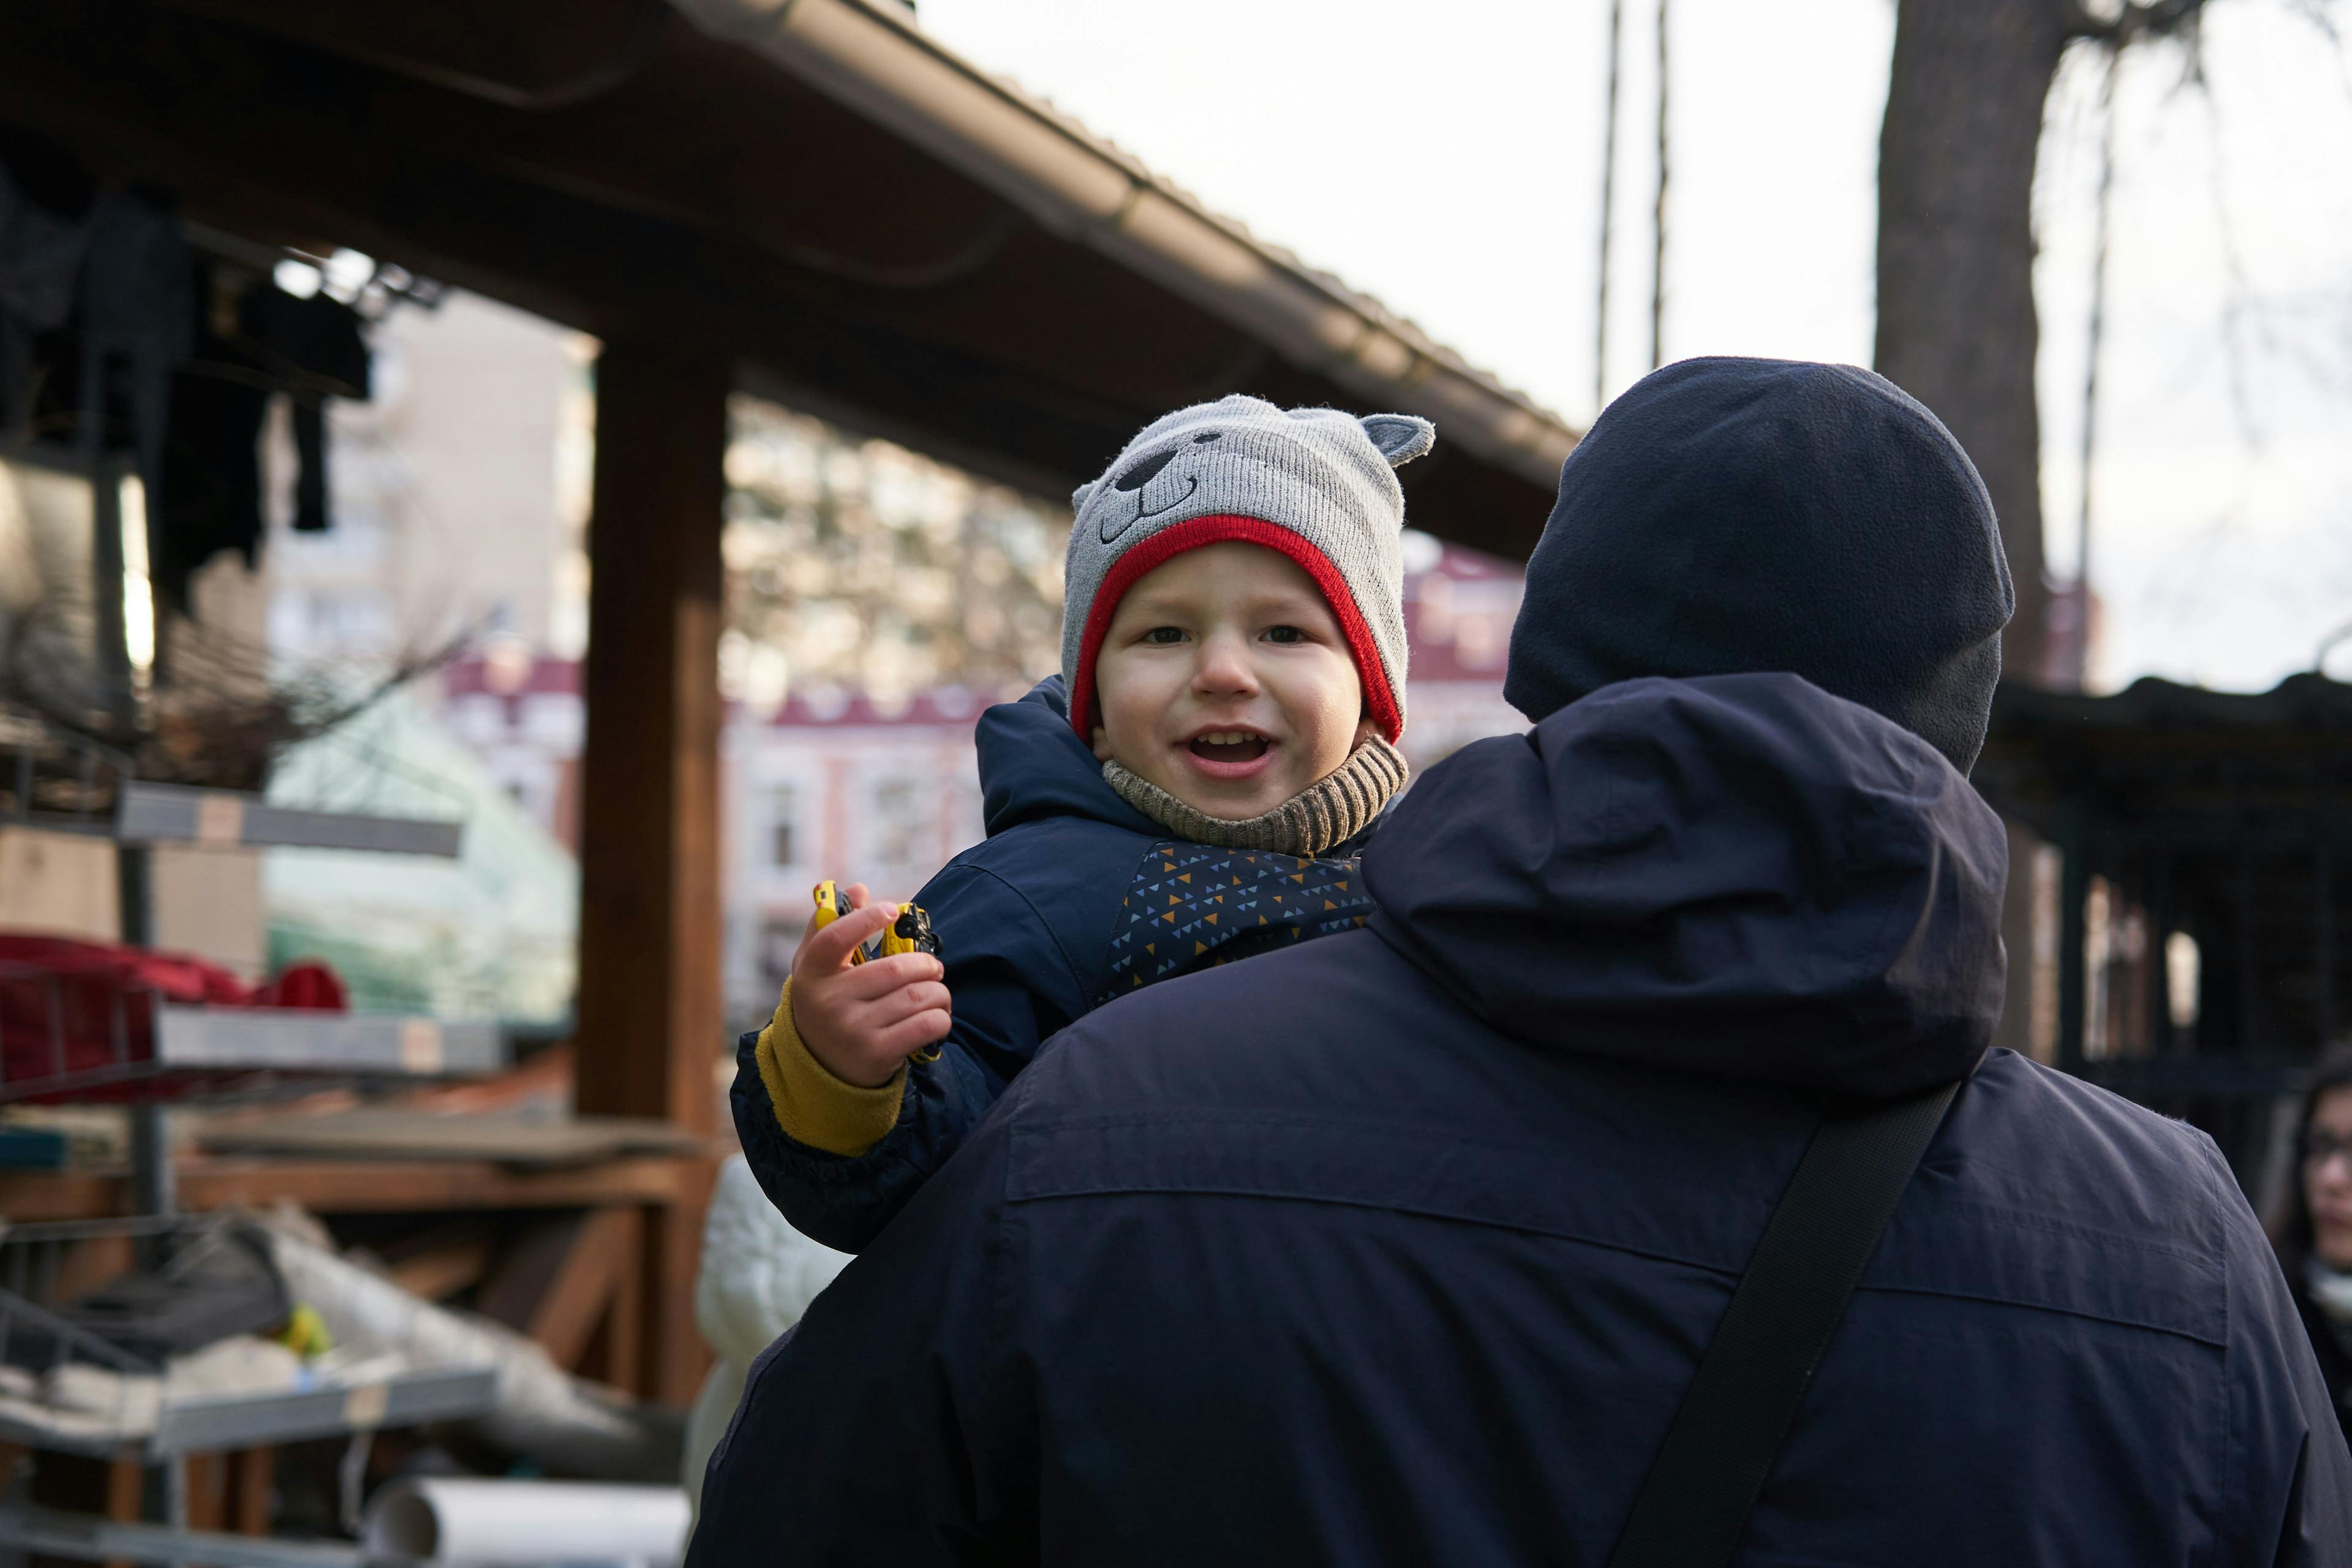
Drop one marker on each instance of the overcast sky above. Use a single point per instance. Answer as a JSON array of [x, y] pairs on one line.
[[1447, 159]]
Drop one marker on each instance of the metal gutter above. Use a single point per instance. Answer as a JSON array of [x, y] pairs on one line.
[[870, 55]]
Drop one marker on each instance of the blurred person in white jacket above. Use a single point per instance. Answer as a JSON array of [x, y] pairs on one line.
[[758, 1277]]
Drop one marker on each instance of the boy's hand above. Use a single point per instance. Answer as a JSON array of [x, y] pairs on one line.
[[862, 1022]]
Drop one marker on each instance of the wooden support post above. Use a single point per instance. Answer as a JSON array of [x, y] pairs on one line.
[[650, 1014], [252, 1476]]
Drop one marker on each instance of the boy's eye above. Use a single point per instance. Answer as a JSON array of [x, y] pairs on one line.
[[1284, 634], [1163, 635]]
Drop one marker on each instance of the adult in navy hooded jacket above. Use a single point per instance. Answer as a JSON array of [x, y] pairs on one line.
[[1035, 926], [1401, 1247]]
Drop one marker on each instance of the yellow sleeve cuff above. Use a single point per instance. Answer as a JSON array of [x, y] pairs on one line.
[[812, 1106]]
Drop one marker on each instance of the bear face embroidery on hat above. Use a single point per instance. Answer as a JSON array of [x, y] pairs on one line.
[[1316, 485], [1150, 501]]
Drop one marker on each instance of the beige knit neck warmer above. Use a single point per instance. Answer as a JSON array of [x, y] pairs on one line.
[[1332, 810]]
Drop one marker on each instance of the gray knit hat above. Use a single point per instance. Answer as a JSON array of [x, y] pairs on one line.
[[1313, 484]]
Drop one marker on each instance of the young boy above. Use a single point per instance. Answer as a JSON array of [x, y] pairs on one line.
[[1186, 793]]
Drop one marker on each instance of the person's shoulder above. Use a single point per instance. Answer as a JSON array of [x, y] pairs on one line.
[[2048, 1192], [1316, 1025], [2050, 1123]]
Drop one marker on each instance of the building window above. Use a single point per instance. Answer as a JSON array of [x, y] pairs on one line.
[[902, 827], [782, 811]]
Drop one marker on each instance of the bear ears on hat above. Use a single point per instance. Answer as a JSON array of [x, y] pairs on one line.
[[1400, 437]]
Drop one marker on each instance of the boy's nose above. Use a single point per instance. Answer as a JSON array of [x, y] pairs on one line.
[[1223, 666]]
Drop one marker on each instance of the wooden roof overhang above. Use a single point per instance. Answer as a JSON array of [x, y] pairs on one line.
[[873, 230]]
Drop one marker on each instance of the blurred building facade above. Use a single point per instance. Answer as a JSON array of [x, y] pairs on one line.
[[460, 494]]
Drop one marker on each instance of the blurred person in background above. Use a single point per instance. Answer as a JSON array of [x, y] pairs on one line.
[[758, 1276], [2314, 1236]]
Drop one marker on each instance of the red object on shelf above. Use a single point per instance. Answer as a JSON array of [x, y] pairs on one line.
[[307, 984], [77, 1018]]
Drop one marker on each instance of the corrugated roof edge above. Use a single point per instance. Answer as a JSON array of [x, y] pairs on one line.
[[2305, 702], [871, 55]]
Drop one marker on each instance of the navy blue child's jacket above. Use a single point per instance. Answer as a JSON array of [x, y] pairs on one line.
[[1073, 898]]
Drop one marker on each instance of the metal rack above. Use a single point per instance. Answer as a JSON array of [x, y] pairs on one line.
[[156, 1049], [138, 1049], [31, 1258]]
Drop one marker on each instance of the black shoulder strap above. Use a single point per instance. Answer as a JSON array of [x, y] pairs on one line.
[[1694, 1505]]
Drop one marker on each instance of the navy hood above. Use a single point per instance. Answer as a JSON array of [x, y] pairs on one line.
[[1733, 515], [1032, 765], [1740, 876]]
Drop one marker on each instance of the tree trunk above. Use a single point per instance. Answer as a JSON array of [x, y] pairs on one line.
[[1955, 321]]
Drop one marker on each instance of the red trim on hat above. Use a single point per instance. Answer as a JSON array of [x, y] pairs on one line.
[[1380, 702]]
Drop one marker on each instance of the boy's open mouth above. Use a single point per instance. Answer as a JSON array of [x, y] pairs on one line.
[[1229, 746]]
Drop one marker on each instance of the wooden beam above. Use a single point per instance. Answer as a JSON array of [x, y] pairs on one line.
[[453, 1259], [362, 1186], [614, 1347], [563, 1279], [650, 1019]]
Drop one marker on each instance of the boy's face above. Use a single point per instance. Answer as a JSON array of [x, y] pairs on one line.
[[1224, 680]]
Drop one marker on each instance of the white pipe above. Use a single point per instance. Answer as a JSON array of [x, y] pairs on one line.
[[540, 1409], [454, 1521], [869, 55]]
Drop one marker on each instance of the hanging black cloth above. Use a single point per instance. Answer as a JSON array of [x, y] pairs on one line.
[[41, 245], [308, 350], [137, 322], [210, 499], [315, 347]]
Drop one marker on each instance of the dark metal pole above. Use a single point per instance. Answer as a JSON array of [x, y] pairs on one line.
[[151, 1146], [2163, 1037], [2323, 931], [2073, 892], [1658, 215], [1608, 211]]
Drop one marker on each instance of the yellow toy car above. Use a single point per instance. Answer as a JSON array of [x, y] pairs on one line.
[[911, 932]]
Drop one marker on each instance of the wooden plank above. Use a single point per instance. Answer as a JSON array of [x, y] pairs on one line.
[[355, 1187], [394, 1133], [618, 1352], [651, 1029], [596, 1289], [525, 1270], [559, 1281], [332, 1186], [445, 1265]]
